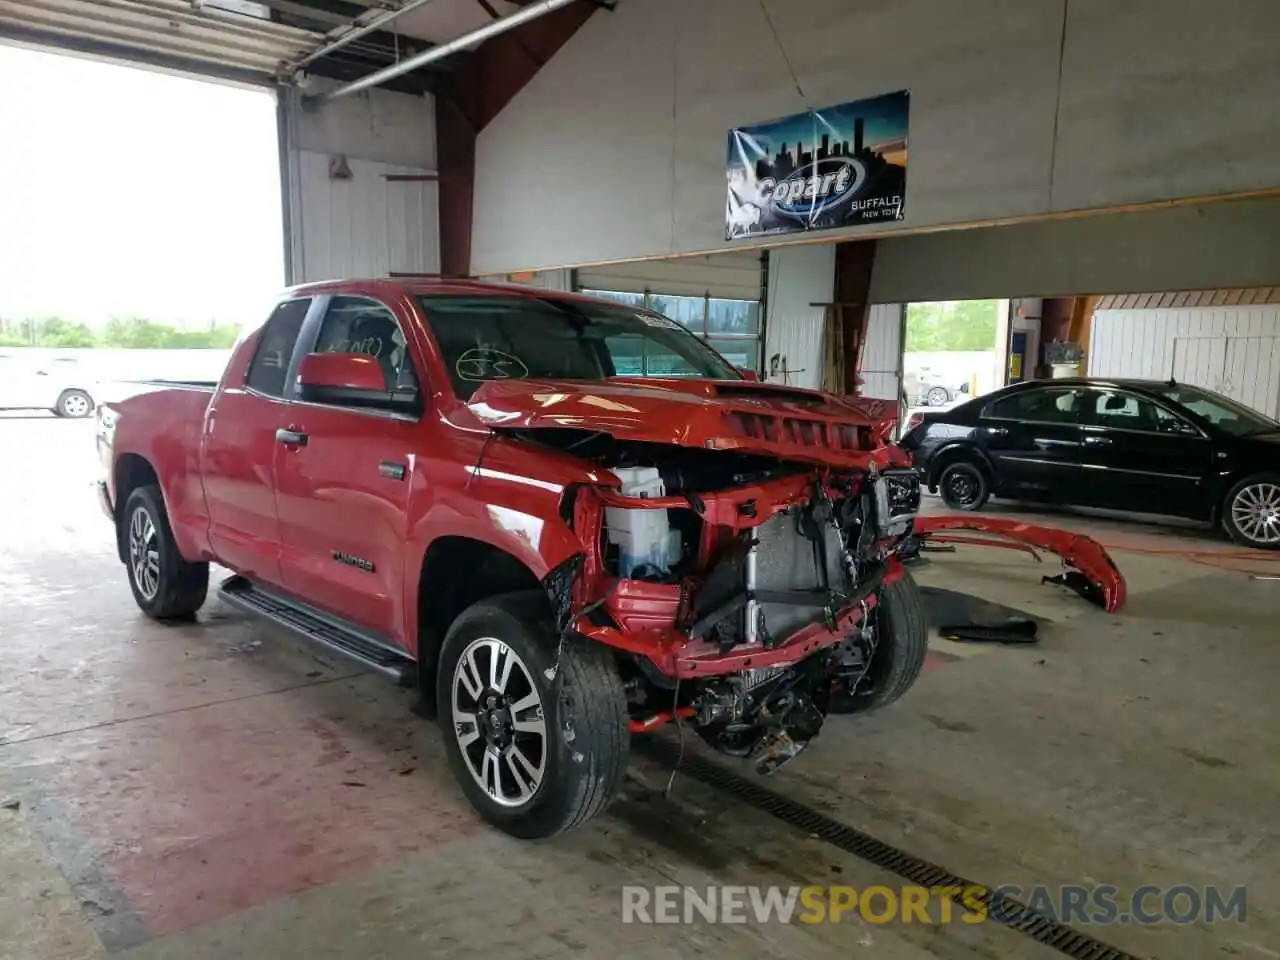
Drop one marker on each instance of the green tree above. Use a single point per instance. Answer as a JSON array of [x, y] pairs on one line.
[[56, 332], [952, 325], [134, 333]]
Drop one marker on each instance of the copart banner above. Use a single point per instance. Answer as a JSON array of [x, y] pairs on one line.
[[836, 167]]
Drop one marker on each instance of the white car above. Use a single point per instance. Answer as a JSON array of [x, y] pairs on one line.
[[58, 385], [925, 388]]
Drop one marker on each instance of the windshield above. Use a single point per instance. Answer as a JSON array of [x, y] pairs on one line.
[[1225, 414], [519, 338]]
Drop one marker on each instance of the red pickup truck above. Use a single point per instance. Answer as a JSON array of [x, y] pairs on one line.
[[565, 520]]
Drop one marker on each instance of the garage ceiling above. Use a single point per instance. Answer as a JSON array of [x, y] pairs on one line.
[[254, 41]]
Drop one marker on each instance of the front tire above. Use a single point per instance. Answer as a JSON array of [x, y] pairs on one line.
[[937, 396], [165, 586], [74, 404], [1251, 512], [535, 755], [964, 486], [901, 642]]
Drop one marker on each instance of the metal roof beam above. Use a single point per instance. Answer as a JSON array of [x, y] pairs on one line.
[[479, 35], [359, 30]]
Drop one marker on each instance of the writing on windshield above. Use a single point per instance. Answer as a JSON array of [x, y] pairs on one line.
[[516, 338]]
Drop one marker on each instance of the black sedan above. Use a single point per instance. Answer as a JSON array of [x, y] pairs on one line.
[[1138, 446]]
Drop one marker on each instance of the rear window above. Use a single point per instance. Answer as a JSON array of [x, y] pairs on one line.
[[527, 338]]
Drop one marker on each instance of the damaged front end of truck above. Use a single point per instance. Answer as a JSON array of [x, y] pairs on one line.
[[736, 548]]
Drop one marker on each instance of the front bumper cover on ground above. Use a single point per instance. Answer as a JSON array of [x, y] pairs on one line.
[[1085, 557]]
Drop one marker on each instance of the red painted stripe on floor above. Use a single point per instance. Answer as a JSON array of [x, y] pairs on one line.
[[201, 814], [937, 658]]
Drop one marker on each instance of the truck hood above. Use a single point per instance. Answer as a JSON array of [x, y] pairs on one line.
[[767, 419]]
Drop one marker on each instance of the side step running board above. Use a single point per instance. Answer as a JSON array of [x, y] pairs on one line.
[[321, 629]]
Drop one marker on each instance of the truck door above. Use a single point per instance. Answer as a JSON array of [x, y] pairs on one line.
[[238, 450], [344, 482]]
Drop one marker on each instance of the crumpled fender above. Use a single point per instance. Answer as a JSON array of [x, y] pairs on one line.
[[1085, 554]]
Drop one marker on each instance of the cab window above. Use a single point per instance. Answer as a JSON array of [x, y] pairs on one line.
[[360, 325], [270, 365]]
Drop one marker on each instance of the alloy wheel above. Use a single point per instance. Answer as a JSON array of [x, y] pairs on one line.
[[1256, 513], [76, 405], [144, 553], [499, 722]]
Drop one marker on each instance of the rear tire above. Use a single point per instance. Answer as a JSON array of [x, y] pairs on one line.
[[535, 755], [964, 486], [1251, 512], [902, 640], [165, 586], [74, 404], [937, 396]]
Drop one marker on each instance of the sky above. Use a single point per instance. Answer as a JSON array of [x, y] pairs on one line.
[[131, 192]]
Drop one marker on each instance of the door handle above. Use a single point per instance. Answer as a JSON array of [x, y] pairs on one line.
[[1098, 441], [291, 438], [997, 432]]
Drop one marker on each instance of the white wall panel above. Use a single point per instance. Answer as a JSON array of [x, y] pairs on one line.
[[798, 277], [616, 149], [882, 353], [1253, 372], [367, 226], [364, 225], [377, 125], [1235, 350], [1159, 100]]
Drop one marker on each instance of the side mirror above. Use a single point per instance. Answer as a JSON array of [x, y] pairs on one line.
[[355, 380], [748, 374], [342, 373]]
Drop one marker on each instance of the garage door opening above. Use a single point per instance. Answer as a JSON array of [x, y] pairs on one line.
[[953, 350], [142, 213]]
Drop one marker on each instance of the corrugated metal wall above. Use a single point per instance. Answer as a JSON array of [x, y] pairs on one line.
[[1234, 350], [798, 277], [881, 367], [364, 224], [367, 226]]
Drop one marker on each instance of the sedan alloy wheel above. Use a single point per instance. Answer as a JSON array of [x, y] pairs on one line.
[[1255, 512]]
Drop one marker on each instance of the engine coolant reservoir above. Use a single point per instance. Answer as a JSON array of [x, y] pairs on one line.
[[643, 537]]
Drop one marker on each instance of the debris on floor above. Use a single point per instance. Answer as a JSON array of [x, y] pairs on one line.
[[1088, 568], [969, 619]]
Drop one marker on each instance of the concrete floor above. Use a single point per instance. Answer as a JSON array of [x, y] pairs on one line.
[[216, 791]]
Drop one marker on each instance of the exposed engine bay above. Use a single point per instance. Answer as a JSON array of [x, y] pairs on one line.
[[740, 590]]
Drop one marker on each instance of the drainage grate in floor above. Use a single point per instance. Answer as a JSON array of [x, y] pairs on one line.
[[1012, 913]]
